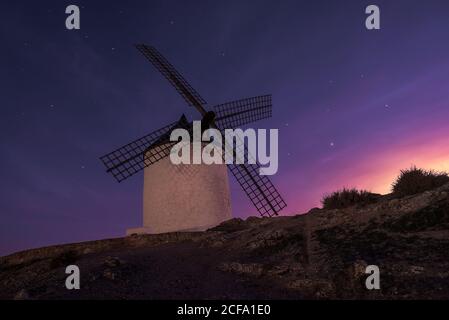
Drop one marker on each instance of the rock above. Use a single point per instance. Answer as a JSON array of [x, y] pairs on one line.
[[231, 225], [109, 274], [395, 203], [253, 220], [312, 288], [416, 269], [22, 295], [213, 242], [358, 269], [314, 210], [302, 284], [112, 262], [285, 269], [252, 269], [87, 251], [133, 235], [268, 239], [442, 195]]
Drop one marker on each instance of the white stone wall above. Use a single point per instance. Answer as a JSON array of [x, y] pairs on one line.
[[184, 197]]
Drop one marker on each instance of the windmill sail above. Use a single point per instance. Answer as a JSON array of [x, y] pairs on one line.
[[130, 159], [238, 113], [260, 190], [181, 85]]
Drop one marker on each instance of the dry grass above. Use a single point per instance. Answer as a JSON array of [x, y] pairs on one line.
[[347, 197], [416, 180]]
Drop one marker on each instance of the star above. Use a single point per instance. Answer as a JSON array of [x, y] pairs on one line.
[[172, 22], [332, 144]]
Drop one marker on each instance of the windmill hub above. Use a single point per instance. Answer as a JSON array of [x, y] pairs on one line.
[[208, 120]]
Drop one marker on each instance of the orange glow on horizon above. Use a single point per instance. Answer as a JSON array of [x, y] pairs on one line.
[[386, 165], [374, 170]]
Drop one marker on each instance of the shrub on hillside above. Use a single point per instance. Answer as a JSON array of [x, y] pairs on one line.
[[348, 197], [416, 180]]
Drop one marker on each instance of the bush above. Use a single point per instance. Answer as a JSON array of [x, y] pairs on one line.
[[348, 197], [416, 180]]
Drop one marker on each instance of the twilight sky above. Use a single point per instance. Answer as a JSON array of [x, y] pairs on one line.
[[353, 106]]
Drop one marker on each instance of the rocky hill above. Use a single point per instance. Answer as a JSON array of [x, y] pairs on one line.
[[321, 254]]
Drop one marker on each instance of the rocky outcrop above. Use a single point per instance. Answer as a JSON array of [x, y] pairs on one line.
[[319, 255]]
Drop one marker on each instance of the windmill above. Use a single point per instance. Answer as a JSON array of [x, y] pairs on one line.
[[192, 197]]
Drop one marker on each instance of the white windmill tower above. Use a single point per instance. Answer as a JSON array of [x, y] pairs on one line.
[[192, 197]]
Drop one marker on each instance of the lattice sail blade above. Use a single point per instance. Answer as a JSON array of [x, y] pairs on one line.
[[260, 190], [133, 157], [238, 113], [190, 95]]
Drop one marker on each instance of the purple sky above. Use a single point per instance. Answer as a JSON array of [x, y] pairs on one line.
[[353, 106]]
